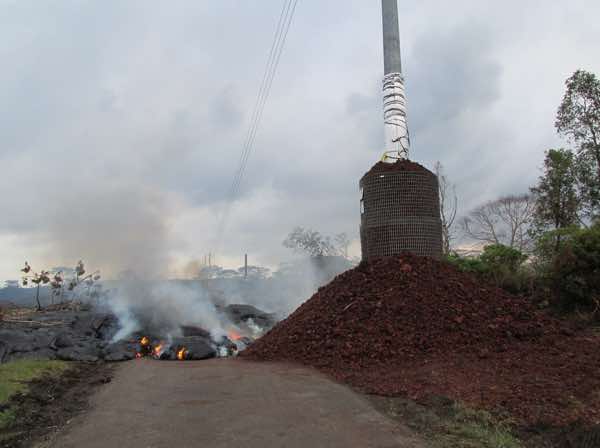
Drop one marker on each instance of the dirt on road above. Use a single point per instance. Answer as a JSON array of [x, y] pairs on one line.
[[228, 403]]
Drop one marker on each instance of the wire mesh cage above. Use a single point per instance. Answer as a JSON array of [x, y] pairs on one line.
[[400, 211]]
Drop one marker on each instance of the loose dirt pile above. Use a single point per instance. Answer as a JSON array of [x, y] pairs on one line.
[[400, 165], [416, 326]]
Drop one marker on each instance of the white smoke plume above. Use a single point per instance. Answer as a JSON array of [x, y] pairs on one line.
[[163, 307]]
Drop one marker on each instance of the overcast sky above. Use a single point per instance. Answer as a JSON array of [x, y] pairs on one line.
[[122, 122]]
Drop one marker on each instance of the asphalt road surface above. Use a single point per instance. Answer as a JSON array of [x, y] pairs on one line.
[[227, 403]]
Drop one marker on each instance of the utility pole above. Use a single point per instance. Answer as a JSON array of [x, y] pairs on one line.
[[245, 265], [397, 138]]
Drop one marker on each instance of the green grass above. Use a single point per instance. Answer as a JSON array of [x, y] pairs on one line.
[[7, 418], [469, 428], [14, 377]]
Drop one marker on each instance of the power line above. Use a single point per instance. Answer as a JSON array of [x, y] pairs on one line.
[[279, 39], [287, 15], [261, 91]]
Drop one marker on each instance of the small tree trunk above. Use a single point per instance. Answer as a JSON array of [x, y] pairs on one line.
[[37, 298], [557, 245]]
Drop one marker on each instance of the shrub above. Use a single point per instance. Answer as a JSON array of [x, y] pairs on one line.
[[549, 245], [467, 264], [499, 264], [575, 271]]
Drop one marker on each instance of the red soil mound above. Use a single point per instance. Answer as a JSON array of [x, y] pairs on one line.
[[400, 165], [416, 326]]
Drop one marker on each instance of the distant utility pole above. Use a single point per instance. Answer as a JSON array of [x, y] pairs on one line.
[[246, 266]]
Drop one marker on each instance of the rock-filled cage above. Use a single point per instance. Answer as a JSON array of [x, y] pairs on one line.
[[400, 211]]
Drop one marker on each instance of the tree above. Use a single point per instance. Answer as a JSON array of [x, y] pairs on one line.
[[556, 201], [342, 244], [578, 119], [310, 242], [502, 265], [448, 206], [38, 279], [575, 270], [57, 281], [504, 221]]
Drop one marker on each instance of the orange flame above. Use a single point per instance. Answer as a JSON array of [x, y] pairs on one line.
[[158, 350], [234, 336], [145, 341], [182, 354]]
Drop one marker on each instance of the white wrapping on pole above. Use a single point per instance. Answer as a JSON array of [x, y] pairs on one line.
[[397, 138]]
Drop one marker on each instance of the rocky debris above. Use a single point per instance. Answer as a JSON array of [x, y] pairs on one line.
[[65, 333], [84, 353], [414, 326], [192, 348], [119, 351], [187, 330], [63, 340], [243, 314], [400, 165], [84, 334], [197, 348]]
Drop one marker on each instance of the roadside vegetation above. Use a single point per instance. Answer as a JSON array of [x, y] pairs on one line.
[[14, 377], [546, 243], [469, 428], [444, 423]]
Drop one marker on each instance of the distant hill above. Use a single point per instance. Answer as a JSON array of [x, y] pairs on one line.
[[23, 296]]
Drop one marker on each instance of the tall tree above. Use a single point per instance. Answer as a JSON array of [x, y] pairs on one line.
[[578, 119], [448, 206], [556, 201], [504, 221], [310, 242]]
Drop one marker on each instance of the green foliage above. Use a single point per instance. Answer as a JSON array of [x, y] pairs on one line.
[[14, 375], [467, 264], [556, 198], [575, 271], [446, 424], [500, 258], [470, 428], [7, 419], [548, 245], [502, 265], [578, 119]]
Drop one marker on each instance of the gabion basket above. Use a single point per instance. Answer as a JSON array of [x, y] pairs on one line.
[[400, 212]]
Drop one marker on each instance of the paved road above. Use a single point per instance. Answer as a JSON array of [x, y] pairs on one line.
[[228, 403]]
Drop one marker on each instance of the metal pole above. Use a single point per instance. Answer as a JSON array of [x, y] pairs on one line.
[[391, 37], [245, 265], [397, 139]]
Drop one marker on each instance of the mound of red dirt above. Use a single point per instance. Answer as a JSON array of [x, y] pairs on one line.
[[400, 165], [416, 326]]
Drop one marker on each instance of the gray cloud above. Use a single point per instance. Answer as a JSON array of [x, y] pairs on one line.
[[121, 123]]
